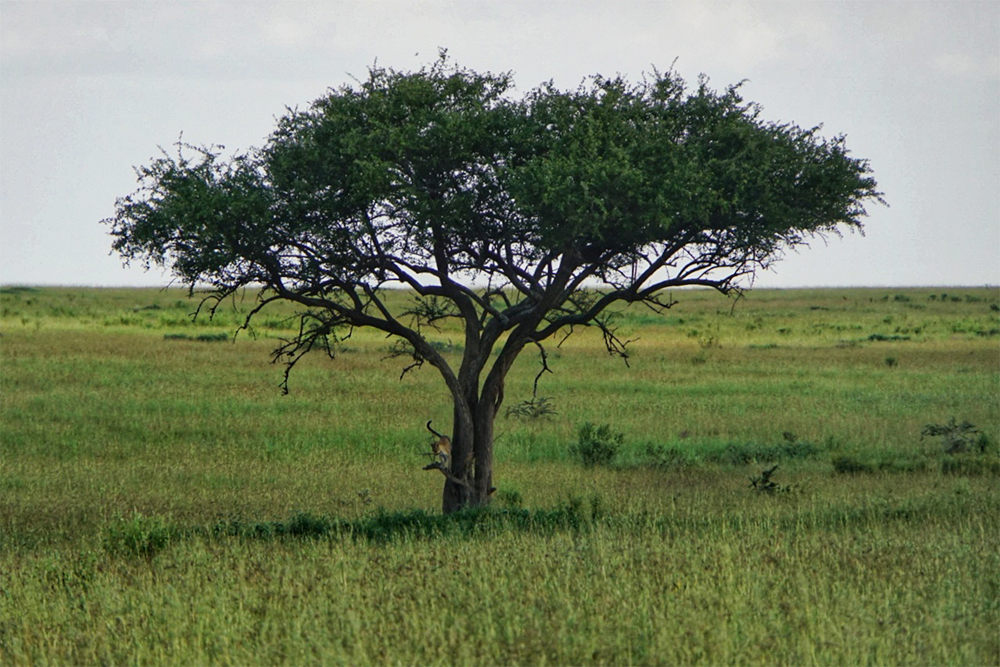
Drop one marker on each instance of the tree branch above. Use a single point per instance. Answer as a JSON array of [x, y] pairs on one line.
[[545, 367], [437, 465]]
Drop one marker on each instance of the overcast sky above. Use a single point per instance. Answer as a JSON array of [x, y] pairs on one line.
[[91, 89]]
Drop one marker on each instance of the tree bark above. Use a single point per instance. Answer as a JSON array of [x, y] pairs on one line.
[[485, 417], [458, 488], [471, 481]]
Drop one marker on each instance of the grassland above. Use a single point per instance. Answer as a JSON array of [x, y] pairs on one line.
[[162, 502]]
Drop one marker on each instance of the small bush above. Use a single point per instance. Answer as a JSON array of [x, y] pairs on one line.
[[764, 483], [305, 524], [957, 438], [139, 536], [535, 408], [667, 458], [597, 445]]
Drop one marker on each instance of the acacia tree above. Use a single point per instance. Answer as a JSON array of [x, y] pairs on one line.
[[518, 217]]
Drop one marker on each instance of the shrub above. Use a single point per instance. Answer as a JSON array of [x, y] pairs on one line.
[[535, 408], [666, 458], [139, 536], [764, 483], [957, 438], [597, 445], [305, 524]]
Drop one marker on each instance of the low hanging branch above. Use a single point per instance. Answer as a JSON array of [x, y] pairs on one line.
[[544, 358], [437, 465], [402, 348]]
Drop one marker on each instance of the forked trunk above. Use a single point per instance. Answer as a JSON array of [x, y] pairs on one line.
[[458, 485], [471, 481]]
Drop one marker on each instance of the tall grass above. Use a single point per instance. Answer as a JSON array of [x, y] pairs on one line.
[[719, 578], [161, 501]]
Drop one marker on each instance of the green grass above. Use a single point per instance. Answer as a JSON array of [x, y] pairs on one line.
[[162, 502]]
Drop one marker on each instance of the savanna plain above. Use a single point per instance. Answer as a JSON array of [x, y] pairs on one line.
[[795, 477]]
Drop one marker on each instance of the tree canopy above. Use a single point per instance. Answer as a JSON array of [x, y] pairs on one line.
[[519, 215]]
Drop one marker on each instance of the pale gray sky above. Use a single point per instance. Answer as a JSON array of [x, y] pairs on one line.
[[90, 89]]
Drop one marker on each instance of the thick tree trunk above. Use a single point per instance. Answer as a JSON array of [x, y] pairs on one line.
[[458, 488], [483, 451], [471, 480], [472, 462], [455, 497]]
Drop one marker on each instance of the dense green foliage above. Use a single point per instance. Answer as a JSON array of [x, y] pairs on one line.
[[161, 502], [597, 445], [498, 212]]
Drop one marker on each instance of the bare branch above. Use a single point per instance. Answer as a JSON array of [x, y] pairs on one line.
[[544, 357], [615, 345], [403, 348], [437, 465]]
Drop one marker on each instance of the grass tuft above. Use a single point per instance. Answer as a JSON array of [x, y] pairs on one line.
[[140, 536]]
